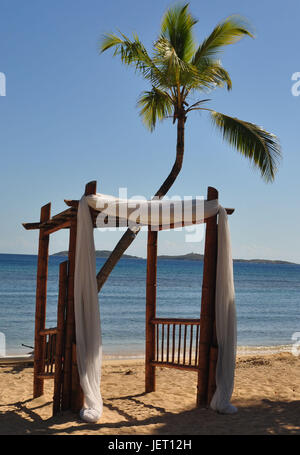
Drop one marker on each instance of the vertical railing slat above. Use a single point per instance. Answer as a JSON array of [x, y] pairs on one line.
[[197, 347], [168, 341], [162, 342], [173, 343], [184, 344], [191, 345], [179, 343]]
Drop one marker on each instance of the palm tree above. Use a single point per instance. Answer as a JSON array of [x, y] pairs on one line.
[[177, 69]]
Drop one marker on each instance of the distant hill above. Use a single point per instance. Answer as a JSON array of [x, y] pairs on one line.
[[183, 257], [99, 254], [265, 261]]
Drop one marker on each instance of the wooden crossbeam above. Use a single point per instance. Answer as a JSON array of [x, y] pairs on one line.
[[171, 321], [30, 226], [50, 331], [43, 376], [65, 225], [62, 220], [174, 365], [57, 222]]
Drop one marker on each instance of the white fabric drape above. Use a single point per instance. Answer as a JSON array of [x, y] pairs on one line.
[[225, 320], [158, 213], [87, 315]]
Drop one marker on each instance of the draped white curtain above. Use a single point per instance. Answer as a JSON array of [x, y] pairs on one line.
[[225, 320], [158, 213], [87, 315]]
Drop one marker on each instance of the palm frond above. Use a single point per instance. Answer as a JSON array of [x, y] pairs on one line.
[[252, 141], [177, 27], [231, 30], [178, 71], [223, 76], [110, 40], [166, 53], [155, 105], [133, 52], [195, 105], [211, 76]]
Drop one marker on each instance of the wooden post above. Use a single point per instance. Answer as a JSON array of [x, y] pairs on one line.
[[41, 299], [90, 188], [207, 303], [61, 307], [74, 395], [70, 320], [150, 309], [213, 358]]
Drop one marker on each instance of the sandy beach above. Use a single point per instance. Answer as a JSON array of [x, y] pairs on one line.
[[267, 394]]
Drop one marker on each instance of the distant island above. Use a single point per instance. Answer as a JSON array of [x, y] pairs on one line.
[[100, 254], [183, 257]]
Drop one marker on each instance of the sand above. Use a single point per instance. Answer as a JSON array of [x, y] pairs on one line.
[[267, 394]]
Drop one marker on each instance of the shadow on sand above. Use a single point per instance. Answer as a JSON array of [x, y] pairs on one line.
[[267, 417]]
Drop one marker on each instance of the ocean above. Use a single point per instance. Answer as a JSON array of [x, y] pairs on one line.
[[267, 302]]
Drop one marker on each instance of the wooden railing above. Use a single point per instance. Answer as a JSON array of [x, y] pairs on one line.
[[49, 336], [176, 343]]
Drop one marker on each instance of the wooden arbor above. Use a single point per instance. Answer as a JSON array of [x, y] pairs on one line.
[[188, 344]]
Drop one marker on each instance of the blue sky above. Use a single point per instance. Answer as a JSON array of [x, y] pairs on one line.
[[69, 116]]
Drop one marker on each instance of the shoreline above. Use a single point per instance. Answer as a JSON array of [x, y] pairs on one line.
[[241, 352]]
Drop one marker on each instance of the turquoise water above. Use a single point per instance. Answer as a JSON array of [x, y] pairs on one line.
[[267, 300]]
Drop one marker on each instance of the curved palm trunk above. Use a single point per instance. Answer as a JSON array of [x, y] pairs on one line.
[[129, 236]]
